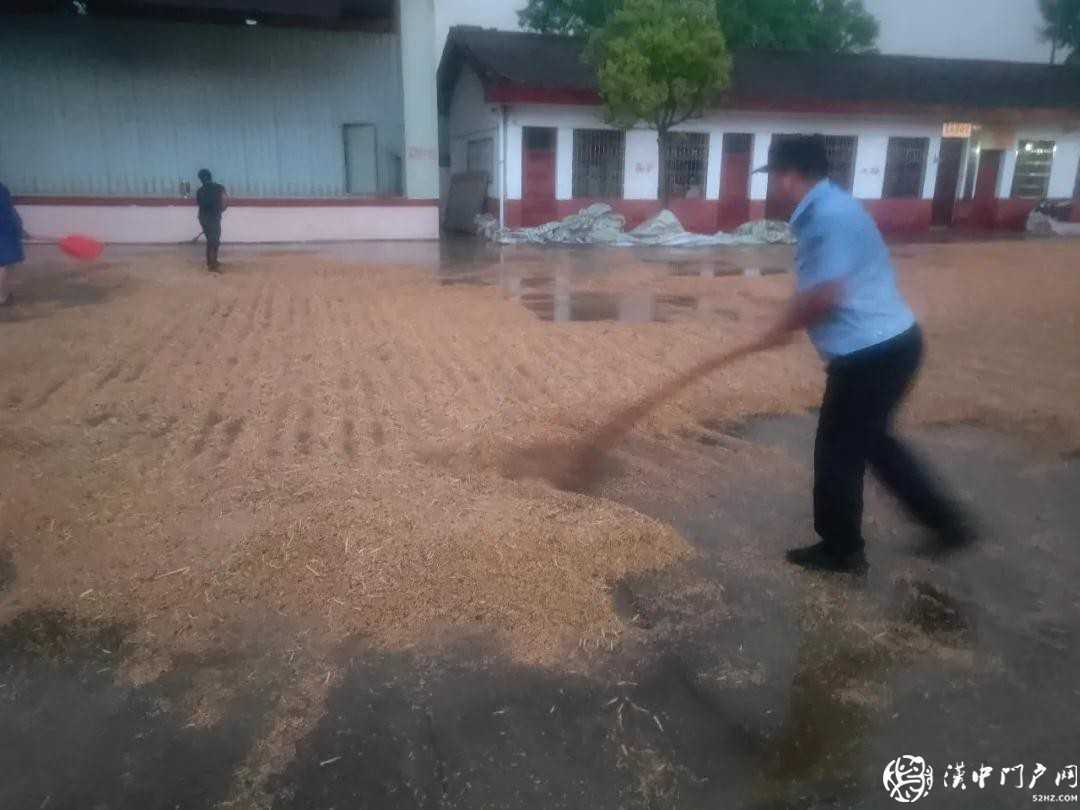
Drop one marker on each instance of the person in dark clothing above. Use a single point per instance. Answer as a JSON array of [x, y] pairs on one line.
[[11, 243], [866, 333], [212, 204]]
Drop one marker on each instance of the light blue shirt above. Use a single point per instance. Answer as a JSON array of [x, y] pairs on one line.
[[839, 241]]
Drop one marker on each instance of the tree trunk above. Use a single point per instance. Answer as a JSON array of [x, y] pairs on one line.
[[663, 191]]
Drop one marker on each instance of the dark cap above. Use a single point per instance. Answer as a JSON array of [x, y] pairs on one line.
[[805, 154]]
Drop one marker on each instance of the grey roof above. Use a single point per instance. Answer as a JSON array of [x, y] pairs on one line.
[[536, 60], [777, 78]]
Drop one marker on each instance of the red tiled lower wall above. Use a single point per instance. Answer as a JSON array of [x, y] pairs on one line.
[[892, 216], [1012, 215], [901, 216], [1004, 215], [513, 213]]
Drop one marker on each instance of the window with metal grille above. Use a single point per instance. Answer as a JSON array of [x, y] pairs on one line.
[[685, 162], [598, 163], [479, 155], [841, 151], [1034, 161], [905, 167]]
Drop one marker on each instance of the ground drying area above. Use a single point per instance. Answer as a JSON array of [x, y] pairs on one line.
[[279, 509]]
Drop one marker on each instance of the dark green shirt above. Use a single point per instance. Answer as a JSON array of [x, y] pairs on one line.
[[211, 200]]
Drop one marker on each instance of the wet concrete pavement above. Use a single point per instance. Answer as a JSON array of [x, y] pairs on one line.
[[740, 682]]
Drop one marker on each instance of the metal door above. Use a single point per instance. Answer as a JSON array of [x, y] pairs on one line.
[[948, 179], [735, 180], [361, 163]]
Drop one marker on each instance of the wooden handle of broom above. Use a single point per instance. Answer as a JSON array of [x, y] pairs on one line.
[[618, 426]]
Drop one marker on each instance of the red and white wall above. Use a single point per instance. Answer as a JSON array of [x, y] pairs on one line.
[[472, 115], [164, 220]]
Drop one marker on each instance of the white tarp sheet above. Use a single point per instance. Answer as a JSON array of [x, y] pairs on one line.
[[599, 224], [1044, 225]]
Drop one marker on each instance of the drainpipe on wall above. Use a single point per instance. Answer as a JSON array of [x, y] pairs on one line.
[[502, 170]]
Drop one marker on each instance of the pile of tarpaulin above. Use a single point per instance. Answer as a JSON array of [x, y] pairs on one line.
[[600, 224]]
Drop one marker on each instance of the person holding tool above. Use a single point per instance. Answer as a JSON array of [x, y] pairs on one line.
[[848, 300], [212, 204]]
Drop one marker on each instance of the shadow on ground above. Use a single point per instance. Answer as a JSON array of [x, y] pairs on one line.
[[74, 737], [738, 683], [48, 286]]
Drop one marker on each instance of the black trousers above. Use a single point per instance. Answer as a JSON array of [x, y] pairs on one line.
[[862, 393], [212, 231]]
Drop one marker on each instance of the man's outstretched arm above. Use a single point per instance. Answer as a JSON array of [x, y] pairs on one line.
[[807, 309]]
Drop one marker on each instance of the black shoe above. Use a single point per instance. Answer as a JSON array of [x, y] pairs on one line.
[[819, 557]]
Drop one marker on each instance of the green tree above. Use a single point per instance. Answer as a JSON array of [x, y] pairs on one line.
[[829, 25], [1061, 28], [660, 62]]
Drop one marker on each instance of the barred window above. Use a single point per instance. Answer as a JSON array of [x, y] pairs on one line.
[[841, 150], [598, 163], [905, 167], [1033, 163], [685, 161]]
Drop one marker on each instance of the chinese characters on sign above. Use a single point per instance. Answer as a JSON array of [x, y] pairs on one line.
[[956, 129]]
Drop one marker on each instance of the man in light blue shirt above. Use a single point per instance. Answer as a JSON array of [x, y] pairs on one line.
[[848, 301]]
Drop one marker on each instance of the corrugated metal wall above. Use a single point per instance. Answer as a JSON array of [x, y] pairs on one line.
[[92, 107]]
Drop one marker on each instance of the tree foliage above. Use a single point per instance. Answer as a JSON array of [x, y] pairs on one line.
[[1061, 27], [660, 62], [829, 25]]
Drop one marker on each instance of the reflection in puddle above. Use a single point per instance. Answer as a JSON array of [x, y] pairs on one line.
[[720, 269], [455, 279], [630, 307], [550, 294]]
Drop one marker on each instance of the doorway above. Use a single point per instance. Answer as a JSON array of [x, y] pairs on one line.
[[361, 163], [735, 179], [538, 176], [948, 180]]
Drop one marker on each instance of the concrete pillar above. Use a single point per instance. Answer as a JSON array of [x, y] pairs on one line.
[[759, 183], [564, 163], [514, 135], [1005, 176], [872, 152], [716, 162], [416, 24], [933, 159], [641, 177], [1063, 172]]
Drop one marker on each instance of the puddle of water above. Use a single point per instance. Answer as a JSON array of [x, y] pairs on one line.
[[580, 306], [466, 279], [720, 269]]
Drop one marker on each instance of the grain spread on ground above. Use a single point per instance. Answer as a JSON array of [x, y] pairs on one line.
[[325, 442]]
